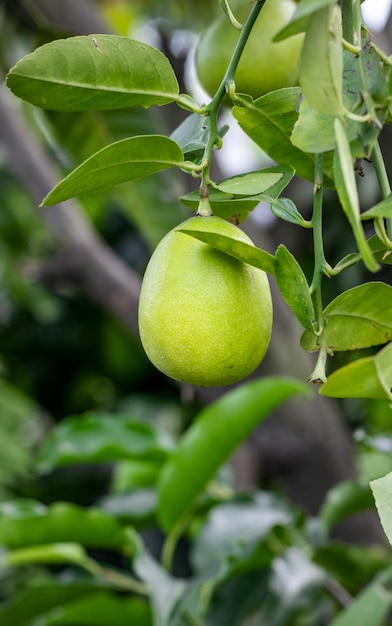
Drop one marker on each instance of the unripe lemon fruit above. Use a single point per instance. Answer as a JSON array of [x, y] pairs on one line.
[[204, 317], [264, 65]]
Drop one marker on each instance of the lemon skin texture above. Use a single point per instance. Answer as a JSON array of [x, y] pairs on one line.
[[205, 317], [265, 65]]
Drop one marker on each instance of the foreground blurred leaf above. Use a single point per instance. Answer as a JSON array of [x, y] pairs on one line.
[[94, 73], [50, 554], [212, 437], [120, 162], [345, 499], [370, 607], [234, 530], [382, 492], [29, 523], [102, 438]]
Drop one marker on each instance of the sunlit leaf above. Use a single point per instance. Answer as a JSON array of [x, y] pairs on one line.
[[238, 249], [120, 162], [249, 184], [94, 73]]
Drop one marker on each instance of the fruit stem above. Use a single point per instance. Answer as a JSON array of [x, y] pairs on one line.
[[320, 268], [214, 106], [383, 181]]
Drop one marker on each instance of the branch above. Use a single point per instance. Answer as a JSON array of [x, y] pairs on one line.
[[92, 264]]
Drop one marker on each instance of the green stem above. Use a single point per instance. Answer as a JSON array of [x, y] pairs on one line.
[[348, 21], [171, 542], [320, 268], [383, 181], [120, 581], [215, 104]]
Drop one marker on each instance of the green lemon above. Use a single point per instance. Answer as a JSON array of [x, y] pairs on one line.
[[265, 65], [204, 317]]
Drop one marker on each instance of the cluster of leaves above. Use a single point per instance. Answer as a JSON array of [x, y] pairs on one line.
[[93, 565], [279, 566]]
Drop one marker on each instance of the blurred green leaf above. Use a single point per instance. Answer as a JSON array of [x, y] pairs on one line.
[[213, 436], [94, 73], [370, 607], [233, 530], [102, 438], [345, 499], [26, 523], [50, 553], [301, 17], [381, 209], [120, 162], [136, 508], [382, 492]]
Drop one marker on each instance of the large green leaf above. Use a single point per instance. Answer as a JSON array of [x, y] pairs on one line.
[[368, 377], [301, 17], [102, 438], [359, 317], [269, 121], [25, 523], [249, 184], [212, 437], [121, 161], [238, 249], [94, 73]]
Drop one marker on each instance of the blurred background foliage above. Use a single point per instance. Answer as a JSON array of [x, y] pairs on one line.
[[61, 355]]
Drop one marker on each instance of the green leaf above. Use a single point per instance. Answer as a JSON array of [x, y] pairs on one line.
[[359, 317], [294, 287], [301, 17], [100, 609], [233, 530], [122, 161], [25, 523], [369, 377], [55, 553], [192, 135], [313, 131], [382, 492], [238, 207], [101, 438], [348, 193], [212, 437], [269, 121], [321, 68], [285, 209], [370, 607], [40, 597], [94, 73], [238, 249], [249, 184], [381, 209], [363, 134], [346, 498]]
